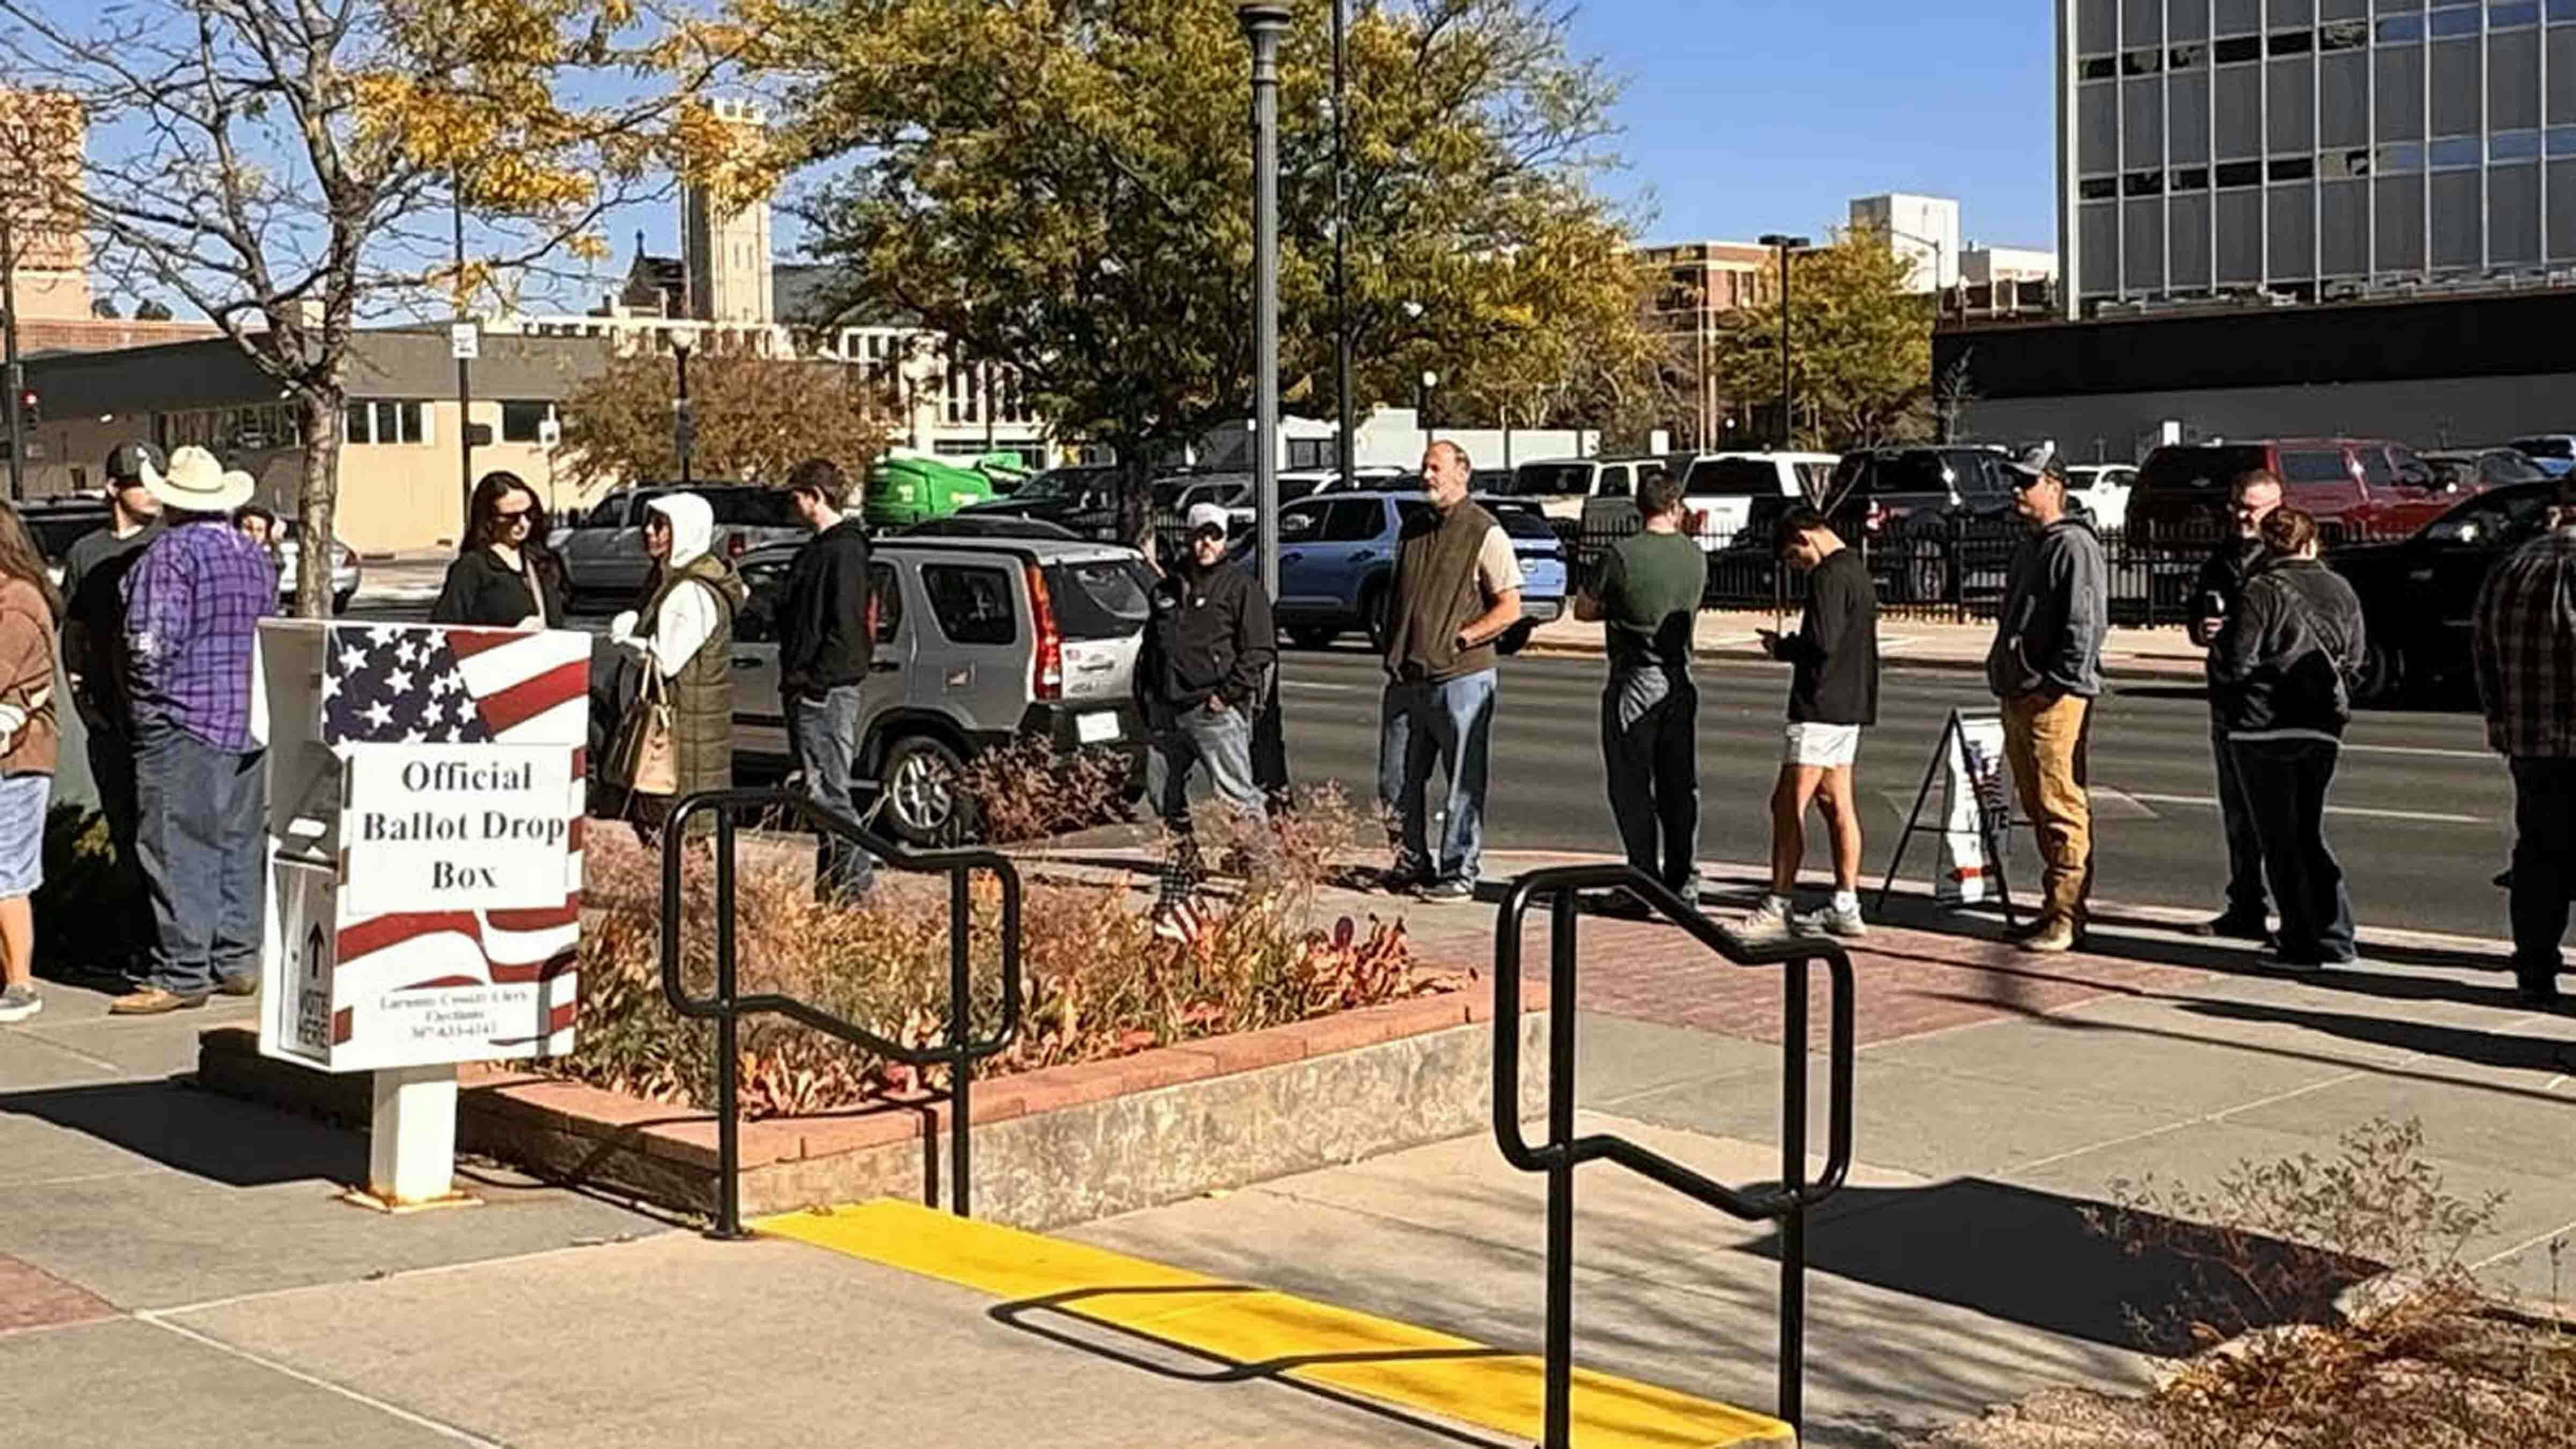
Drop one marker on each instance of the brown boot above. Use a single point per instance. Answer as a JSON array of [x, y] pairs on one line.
[[153, 1001]]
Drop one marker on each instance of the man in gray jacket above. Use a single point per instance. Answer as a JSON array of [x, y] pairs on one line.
[[2046, 668]]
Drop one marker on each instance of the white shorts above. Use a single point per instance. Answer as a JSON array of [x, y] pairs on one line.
[[1821, 746]]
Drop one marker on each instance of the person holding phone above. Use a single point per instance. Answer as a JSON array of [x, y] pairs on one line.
[[1833, 696], [2217, 595]]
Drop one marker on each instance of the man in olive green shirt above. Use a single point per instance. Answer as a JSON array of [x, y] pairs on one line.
[[1646, 593]]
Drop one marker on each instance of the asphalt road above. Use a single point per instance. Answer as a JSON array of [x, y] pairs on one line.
[[2421, 813], [2420, 816]]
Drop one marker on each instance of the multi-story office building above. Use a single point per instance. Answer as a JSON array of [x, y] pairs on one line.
[[1923, 230], [2313, 148]]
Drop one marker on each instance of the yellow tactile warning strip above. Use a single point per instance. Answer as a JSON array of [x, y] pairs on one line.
[[1279, 1335]]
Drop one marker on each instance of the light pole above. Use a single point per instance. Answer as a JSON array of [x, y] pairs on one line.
[[1262, 26], [1347, 455], [684, 423], [1788, 399], [1430, 382]]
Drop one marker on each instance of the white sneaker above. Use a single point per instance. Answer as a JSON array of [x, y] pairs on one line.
[[1768, 921], [1831, 920], [20, 1002]]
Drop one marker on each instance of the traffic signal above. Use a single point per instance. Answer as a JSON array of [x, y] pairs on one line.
[[28, 412]]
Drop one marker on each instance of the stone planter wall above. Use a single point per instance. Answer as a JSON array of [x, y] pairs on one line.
[[1066, 1144]]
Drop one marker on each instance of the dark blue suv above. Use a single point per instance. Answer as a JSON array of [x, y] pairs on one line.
[[1337, 558]]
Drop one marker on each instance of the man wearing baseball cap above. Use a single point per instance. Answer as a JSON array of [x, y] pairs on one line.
[[94, 662], [193, 603], [1209, 649], [2046, 668]]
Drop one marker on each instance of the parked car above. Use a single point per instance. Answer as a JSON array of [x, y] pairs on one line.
[[55, 524], [603, 550], [904, 489], [2419, 596], [1083, 499], [2554, 453], [1337, 561], [2103, 489], [2356, 488], [2468, 470], [965, 525], [1718, 490], [980, 641], [1563, 487], [345, 573]]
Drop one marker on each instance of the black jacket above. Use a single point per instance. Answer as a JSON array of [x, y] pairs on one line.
[[1835, 651], [823, 637], [482, 590], [1210, 634], [2286, 660]]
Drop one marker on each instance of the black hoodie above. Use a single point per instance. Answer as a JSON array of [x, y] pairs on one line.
[[2285, 662]]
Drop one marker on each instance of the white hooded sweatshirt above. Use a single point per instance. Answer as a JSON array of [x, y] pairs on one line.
[[688, 616]]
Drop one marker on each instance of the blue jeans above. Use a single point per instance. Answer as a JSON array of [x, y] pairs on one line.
[[201, 839], [1453, 722], [1219, 738], [823, 741]]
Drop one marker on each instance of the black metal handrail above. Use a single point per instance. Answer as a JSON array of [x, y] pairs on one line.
[[1787, 1202], [727, 1007]]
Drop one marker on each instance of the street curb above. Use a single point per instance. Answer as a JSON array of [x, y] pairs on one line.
[[2177, 671]]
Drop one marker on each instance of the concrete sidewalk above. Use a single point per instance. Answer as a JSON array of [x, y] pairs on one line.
[[2127, 653], [174, 1269]]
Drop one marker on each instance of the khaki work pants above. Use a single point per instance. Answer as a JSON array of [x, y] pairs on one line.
[[2046, 737]]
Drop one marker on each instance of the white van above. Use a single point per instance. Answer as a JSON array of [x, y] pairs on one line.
[[1718, 490]]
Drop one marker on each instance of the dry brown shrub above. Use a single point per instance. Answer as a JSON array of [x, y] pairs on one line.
[[1096, 981], [1030, 790], [2291, 1356]]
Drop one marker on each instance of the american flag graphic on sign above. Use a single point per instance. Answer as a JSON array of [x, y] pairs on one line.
[[394, 685]]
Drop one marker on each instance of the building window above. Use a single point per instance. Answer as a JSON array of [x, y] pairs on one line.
[[2345, 164], [2515, 16], [380, 423], [2461, 20], [2142, 62], [522, 422], [2402, 157], [2240, 173], [2241, 48], [2293, 42], [2513, 146], [2294, 168], [2562, 9], [2145, 183], [2188, 57], [2343, 35], [2457, 151], [2191, 178], [2562, 140], [2399, 29], [2096, 188], [2096, 67]]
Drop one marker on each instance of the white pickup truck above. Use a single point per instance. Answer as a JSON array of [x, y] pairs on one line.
[[1718, 490]]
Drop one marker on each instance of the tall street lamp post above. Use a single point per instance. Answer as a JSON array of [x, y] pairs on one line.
[[1262, 26], [1788, 399], [1348, 452]]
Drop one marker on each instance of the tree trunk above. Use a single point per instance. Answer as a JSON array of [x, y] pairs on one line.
[[325, 411]]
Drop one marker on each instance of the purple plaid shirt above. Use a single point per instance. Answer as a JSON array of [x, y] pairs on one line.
[[193, 603]]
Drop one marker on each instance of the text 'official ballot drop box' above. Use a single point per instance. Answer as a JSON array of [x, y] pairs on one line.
[[425, 804]]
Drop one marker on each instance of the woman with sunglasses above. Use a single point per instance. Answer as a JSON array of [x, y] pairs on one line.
[[503, 578]]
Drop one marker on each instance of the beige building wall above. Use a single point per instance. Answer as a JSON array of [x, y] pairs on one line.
[[396, 497]]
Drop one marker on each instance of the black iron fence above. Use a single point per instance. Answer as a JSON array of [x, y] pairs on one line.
[[1947, 568]]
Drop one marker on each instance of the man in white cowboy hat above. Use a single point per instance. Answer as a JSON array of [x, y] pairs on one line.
[[193, 603]]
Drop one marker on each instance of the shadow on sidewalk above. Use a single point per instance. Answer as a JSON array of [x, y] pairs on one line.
[[2070, 1265], [2478, 1048], [235, 1143]]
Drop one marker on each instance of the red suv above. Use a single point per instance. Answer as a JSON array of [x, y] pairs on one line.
[[2359, 489]]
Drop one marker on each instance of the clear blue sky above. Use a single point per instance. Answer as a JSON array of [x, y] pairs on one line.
[[1750, 116]]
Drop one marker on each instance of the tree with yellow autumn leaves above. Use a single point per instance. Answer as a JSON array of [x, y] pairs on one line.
[[291, 168]]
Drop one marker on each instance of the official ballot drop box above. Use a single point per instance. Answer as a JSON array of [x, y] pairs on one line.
[[425, 803]]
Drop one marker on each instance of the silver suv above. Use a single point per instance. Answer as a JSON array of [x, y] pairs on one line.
[[980, 640], [603, 555]]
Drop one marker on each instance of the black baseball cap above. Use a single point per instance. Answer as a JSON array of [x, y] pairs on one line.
[[128, 463]]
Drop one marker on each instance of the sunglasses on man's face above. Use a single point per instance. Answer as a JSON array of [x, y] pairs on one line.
[[1209, 533]]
